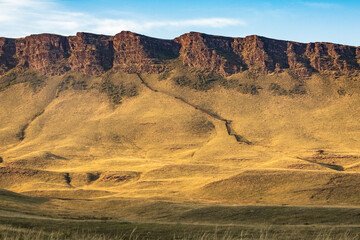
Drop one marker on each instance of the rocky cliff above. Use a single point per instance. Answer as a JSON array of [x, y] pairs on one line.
[[95, 54], [137, 53]]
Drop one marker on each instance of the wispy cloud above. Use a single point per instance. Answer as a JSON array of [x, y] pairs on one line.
[[320, 4], [22, 17], [111, 26]]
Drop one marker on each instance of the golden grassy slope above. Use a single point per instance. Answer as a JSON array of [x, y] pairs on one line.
[[167, 144]]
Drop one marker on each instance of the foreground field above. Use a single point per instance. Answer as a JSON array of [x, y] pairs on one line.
[[23, 217], [118, 230]]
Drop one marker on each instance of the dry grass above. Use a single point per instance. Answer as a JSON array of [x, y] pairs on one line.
[[12, 233], [155, 146]]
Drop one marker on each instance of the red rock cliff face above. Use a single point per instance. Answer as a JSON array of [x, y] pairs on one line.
[[7, 55], [45, 53], [212, 53], [90, 53], [332, 57], [297, 60], [253, 50], [138, 53], [95, 54], [227, 56]]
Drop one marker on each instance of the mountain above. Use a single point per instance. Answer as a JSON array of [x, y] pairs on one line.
[[199, 118], [95, 54]]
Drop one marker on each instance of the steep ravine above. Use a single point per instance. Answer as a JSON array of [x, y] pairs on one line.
[[227, 122]]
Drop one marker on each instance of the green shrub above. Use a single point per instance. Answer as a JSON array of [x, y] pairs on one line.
[[229, 83], [244, 88], [164, 75], [117, 92], [70, 82], [200, 82], [249, 89], [32, 79], [203, 82], [341, 92], [277, 89], [114, 92], [182, 81]]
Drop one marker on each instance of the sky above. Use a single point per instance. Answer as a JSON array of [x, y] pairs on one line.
[[297, 20]]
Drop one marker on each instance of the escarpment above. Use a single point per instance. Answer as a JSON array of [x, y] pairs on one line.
[[90, 53], [45, 53], [7, 54], [94, 54], [136, 53], [212, 53]]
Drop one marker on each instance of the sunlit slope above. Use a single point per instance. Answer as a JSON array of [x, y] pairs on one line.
[[19, 104], [85, 124], [284, 187], [242, 139]]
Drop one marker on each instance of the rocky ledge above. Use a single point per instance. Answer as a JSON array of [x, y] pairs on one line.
[[94, 54]]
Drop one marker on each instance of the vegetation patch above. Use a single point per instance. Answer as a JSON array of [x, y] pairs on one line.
[[201, 126], [252, 89], [341, 91], [182, 81], [164, 75], [200, 82], [298, 89], [116, 92], [277, 89], [33, 80], [244, 88], [70, 82]]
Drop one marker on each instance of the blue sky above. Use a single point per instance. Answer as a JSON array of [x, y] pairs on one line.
[[297, 20]]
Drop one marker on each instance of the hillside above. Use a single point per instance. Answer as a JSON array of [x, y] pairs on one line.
[[199, 118]]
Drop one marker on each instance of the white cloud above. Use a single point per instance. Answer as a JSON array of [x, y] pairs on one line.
[[111, 26], [23, 17]]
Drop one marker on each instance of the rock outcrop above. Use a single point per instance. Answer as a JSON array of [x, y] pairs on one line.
[[90, 53], [257, 54], [7, 54], [135, 53], [94, 54], [332, 57], [212, 53], [45, 53]]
